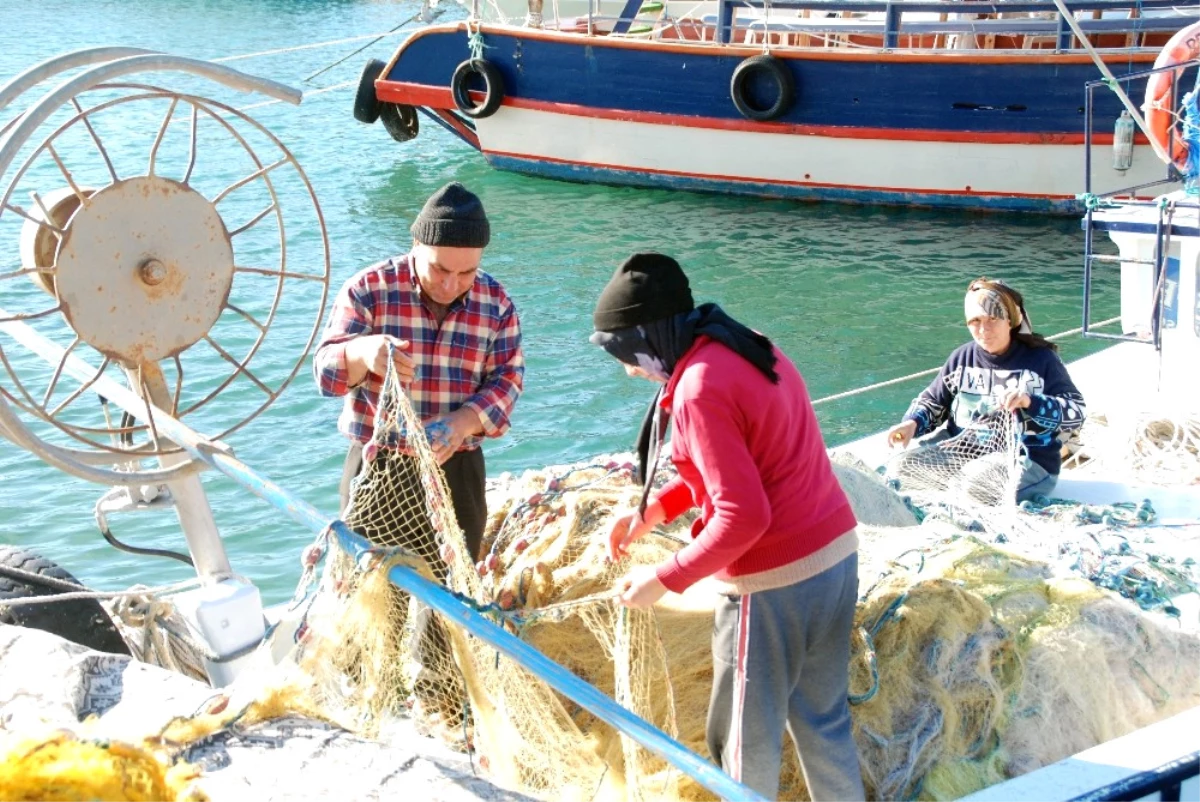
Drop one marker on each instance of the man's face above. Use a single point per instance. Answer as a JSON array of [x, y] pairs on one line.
[[446, 273]]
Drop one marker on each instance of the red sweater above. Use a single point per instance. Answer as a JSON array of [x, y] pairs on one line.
[[751, 457]]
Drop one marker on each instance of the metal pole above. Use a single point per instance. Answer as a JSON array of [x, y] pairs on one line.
[[440, 599], [190, 502], [1134, 111], [195, 515]]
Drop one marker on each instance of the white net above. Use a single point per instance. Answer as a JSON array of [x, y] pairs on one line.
[[981, 466]]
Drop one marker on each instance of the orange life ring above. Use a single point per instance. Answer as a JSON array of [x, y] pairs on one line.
[[1183, 47]]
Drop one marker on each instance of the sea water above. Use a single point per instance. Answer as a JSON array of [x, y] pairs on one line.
[[854, 295]]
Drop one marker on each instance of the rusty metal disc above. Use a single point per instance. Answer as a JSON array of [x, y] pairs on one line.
[[144, 269]]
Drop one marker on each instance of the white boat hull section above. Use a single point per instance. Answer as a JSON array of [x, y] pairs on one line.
[[1110, 762], [817, 161]]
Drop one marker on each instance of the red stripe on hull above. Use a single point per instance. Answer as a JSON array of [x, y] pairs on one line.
[[441, 98]]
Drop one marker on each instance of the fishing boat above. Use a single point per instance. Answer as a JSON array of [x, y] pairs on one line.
[[953, 104], [125, 278]]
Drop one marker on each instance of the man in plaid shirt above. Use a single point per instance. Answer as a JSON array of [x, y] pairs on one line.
[[456, 345]]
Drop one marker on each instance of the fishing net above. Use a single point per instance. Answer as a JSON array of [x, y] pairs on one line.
[[971, 662], [372, 652], [978, 467], [62, 766], [990, 638], [1159, 447]]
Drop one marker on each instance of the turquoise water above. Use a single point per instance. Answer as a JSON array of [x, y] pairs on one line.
[[854, 295]]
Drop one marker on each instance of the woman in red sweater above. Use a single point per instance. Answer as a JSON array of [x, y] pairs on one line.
[[775, 528]]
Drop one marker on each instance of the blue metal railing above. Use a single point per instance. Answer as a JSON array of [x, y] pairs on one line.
[[1165, 780], [440, 599]]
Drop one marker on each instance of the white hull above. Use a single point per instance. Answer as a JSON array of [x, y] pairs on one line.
[[558, 141]]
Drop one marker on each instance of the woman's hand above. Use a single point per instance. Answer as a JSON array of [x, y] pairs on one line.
[[1014, 400], [901, 434], [623, 531], [640, 588]]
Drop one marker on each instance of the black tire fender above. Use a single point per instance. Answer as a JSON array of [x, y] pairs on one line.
[[401, 121], [775, 70], [366, 103], [493, 94], [83, 621]]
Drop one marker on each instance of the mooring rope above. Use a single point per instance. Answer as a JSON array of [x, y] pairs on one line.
[[931, 371], [76, 592]]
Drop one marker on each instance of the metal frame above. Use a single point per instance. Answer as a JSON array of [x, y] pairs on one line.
[[1164, 227], [104, 68]]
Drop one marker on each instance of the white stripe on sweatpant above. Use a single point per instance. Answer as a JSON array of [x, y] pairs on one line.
[[739, 685]]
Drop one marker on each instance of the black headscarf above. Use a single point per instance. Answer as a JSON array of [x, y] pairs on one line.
[[661, 344]]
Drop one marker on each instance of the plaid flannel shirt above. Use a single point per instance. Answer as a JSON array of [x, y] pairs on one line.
[[472, 359]]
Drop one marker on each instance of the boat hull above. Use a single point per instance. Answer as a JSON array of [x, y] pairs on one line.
[[945, 129]]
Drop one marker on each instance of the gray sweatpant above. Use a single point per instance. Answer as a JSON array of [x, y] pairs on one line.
[[781, 658]]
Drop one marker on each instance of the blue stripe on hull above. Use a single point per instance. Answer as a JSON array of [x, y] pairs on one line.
[[637, 178], [950, 94]]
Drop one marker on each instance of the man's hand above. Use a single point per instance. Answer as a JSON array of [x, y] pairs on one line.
[[640, 588], [369, 354], [901, 434], [447, 433], [1014, 400]]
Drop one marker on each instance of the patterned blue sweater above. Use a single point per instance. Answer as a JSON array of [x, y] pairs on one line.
[[972, 383]]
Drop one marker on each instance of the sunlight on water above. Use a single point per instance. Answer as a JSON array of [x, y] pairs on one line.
[[854, 295]]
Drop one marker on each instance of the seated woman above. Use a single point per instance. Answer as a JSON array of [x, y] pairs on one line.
[[1006, 368]]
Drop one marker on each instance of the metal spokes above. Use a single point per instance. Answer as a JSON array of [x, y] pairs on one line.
[[155, 236]]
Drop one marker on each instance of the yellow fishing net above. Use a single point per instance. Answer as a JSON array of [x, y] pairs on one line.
[[61, 767], [971, 662]]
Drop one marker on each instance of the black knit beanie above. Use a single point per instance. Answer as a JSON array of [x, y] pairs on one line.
[[645, 288], [452, 217]]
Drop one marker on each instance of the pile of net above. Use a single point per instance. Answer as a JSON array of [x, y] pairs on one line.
[[63, 766], [1159, 447], [974, 659]]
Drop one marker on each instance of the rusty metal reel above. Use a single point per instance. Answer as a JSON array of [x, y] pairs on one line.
[[158, 235]]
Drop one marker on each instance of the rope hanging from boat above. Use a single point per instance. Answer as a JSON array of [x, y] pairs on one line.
[[475, 43]]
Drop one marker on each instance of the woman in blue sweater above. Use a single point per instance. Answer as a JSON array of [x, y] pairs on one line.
[[1006, 368]]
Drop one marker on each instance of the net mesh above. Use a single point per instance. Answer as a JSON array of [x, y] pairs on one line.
[[971, 663], [990, 638], [978, 467]]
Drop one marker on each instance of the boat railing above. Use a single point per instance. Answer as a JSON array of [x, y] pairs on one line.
[[1173, 215], [887, 17], [894, 24]]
